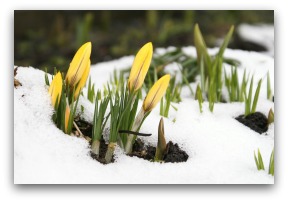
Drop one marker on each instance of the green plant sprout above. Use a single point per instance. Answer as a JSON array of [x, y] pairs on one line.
[[249, 109], [269, 90], [91, 91], [99, 122], [270, 117], [210, 67], [199, 97], [259, 161], [271, 163], [161, 145], [172, 95], [235, 91], [260, 165]]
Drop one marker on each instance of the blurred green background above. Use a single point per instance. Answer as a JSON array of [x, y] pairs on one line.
[[48, 39]]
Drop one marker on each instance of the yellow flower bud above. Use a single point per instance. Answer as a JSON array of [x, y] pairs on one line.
[[78, 66], [156, 93], [82, 81], [140, 67], [67, 115], [55, 89]]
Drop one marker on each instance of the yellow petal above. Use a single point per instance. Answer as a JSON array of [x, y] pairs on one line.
[[67, 115], [82, 81], [140, 67], [78, 65], [55, 88], [156, 93]]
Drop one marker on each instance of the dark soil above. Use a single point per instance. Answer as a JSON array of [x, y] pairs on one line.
[[102, 152], [172, 154], [85, 127], [256, 121]]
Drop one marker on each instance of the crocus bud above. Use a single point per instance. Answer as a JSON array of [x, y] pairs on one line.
[[79, 68], [140, 67], [55, 89], [67, 116], [161, 145], [82, 81], [156, 93]]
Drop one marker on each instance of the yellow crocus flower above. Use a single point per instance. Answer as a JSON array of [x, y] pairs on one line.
[[156, 93], [78, 68], [82, 81], [55, 89], [140, 67]]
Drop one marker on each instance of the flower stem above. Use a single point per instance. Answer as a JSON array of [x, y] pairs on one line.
[[136, 125], [95, 147], [110, 152]]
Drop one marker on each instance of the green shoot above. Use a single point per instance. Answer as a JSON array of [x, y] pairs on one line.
[[260, 165], [46, 78], [114, 125], [172, 95], [270, 116], [199, 97], [211, 97], [271, 164], [226, 41], [236, 93], [259, 161], [91, 91], [211, 67], [248, 101], [255, 100], [269, 90], [161, 145], [99, 122]]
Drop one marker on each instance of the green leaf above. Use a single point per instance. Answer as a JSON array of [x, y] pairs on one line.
[[255, 100], [226, 41], [269, 91], [256, 161], [270, 116], [248, 100], [201, 48], [199, 97], [260, 160], [271, 163]]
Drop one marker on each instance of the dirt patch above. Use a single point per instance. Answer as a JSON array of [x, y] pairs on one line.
[[102, 152], [172, 154], [256, 121], [85, 127]]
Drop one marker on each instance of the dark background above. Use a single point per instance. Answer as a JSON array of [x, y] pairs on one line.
[[48, 39]]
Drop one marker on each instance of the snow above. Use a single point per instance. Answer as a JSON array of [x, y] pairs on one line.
[[262, 34], [220, 149]]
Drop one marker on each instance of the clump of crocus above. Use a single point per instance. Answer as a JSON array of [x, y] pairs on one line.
[[79, 69], [65, 93], [161, 145], [151, 100]]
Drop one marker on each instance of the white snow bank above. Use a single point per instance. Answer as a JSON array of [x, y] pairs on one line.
[[220, 149], [262, 34]]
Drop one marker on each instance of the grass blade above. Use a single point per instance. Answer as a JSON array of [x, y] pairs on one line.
[[255, 100]]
